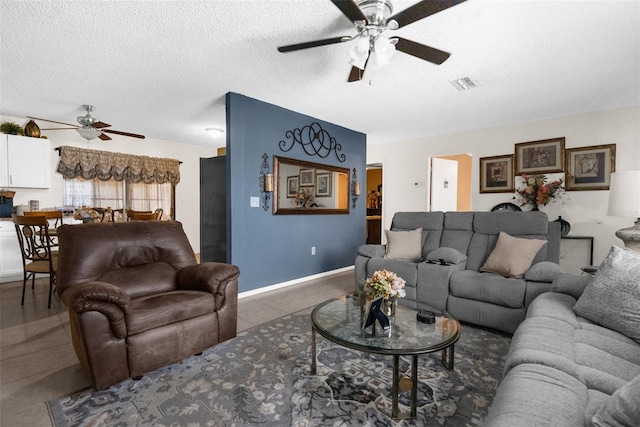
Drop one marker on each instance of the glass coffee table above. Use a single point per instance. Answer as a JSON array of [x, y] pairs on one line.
[[340, 320]]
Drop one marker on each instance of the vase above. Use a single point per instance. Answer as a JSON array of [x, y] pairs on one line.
[[32, 129], [389, 307], [565, 227]]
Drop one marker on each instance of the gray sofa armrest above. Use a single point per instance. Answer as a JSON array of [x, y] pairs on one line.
[[372, 251], [544, 271], [570, 284]]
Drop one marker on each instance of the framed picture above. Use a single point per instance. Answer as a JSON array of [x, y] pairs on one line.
[[323, 185], [306, 177], [292, 186], [539, 157], [589, 168], [496, 174]]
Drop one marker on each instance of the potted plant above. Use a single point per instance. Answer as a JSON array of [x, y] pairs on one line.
[[11, 128]]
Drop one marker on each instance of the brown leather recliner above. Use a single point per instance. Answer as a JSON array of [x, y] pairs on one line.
[[137, 298]]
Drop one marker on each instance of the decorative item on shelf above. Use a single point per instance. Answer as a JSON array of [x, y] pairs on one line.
[[87, 215], [624, 201], [31, 129], [266, 182], [304, 197], [355, 188], [565, 227], [11, 128], [536, 191], [388, 286]]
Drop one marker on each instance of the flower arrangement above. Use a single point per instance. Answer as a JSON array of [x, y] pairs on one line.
[[86, 214], [385, 284], [304, 197], [537, 191]]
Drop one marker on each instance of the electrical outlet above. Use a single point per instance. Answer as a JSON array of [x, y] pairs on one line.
[[255, 202], [313, 250]]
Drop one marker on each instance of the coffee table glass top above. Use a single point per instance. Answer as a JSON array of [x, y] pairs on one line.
[[340, 320]]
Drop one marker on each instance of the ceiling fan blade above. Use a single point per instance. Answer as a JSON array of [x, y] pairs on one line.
[[53, 121], [355, 74], [117, 132], [350, 10], [104, 137], [57, 128], [421, 10], [421, 51], [100, 125], [314, 43]]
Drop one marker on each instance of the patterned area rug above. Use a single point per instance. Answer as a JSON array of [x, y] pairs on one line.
[[261, 377]]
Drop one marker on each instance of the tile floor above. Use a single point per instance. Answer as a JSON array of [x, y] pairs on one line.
[[37, 361]]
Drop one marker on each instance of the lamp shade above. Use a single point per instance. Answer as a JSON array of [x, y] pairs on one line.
[[88, 133], [624, 194]]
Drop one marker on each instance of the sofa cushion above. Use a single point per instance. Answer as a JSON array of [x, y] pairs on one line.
[[512, 256], [153, 311], [491, 288], [622, 409], [537, 395], [404, 245], [449, 256], [612, 298]]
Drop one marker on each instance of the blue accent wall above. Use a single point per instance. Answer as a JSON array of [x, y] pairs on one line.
[[271, 249]]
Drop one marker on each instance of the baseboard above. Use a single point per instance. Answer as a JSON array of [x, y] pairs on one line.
[[292, 282]]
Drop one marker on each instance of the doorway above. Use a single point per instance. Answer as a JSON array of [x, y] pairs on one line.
[[374, 204], [450, 183]]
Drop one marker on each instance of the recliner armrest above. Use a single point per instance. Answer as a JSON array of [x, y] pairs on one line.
[[209, 277], [102, 297], [372, 251]]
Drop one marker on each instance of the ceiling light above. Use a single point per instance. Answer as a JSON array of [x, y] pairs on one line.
[[215, 132], [464, 83], [375, 51], [88, 132]]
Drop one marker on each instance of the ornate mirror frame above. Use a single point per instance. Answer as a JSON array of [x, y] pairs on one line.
[[328, 185]]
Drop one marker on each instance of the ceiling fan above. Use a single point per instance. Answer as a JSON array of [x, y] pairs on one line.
[[372, 18], [90, 127]]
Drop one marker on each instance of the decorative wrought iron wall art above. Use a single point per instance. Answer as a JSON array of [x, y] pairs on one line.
[[314, 140], [266, 182], [355, 188]]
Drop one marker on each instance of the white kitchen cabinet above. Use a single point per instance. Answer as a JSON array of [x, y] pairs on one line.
[[24, 162], [10, 258]]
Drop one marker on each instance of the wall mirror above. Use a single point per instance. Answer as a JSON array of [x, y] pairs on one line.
[[304, 188]]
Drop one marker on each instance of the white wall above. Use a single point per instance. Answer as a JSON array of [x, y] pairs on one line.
[[406, 163], [187, 191]]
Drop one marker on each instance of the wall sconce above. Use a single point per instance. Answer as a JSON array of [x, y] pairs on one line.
[[266, 182], [355, 188]]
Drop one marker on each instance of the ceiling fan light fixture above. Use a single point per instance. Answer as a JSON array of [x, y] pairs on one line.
[[88, 133], [383, 50], [215, 132], [359, 53]]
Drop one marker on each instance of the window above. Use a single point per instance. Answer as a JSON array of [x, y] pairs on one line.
[[140, 196]]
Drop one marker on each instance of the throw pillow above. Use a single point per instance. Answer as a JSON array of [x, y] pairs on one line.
[[612, 298], [512, 256], [622, 408], [448, 255], [404, 245]]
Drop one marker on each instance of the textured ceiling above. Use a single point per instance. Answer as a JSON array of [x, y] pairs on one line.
[[162, 68]]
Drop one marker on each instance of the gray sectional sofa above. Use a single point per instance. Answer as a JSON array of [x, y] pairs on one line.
[[446, 274], [565, 370]]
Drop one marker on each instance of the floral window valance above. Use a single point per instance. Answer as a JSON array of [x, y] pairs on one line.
[[105, 165]]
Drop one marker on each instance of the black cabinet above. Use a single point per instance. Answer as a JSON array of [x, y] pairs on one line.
[[213, 209]]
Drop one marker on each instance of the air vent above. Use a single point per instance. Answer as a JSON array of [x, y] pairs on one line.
[[464, 83]]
